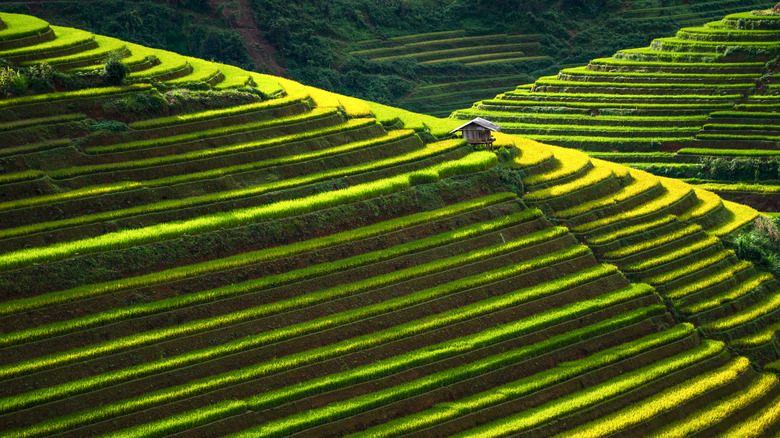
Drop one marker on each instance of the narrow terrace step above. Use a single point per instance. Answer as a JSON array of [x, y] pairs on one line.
[[607, 99], [674, 67], [354, 423], [411, 225], [635, 192], [745, 294], [222, 382], [747, 321], [601, 244], [678, 198], [352, 131], [211, 138], [581, 119], [599, 400], [155, 200], [204, 120], [720, 415], [670, 261], [636, 88], [687, 274], [598, 182], [765, 422], [248, 235], [566, 131], [657, 411], [448, 418], [704, 287], [653, 247], [571, 165], [68, 41], [411, 259]]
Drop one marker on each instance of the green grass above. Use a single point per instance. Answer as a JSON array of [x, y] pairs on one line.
[[690, 268], [35, 147], [510, 60], [106, 46], [415, 37], [738, 136], [607, 96], [594, 104], [41, 121], [245, 259], [671, 256], [634, 188], [758, 423], [701, 284], [740, 187], [719, 410], [631, 230], [123, 239], [664, 401], [66, 38], [569, 163], [675, 191], [459, 52], [398, 363], [660, 85], [175, 204], [728, 152], [652, 243], [677, 64], [580, 129], [427, 151], [27, 175], [66, 95], [330, 351], [450, 410], [278, 280], [732, 294], [202, 71], [569, 404], [337, 410], [212, 114], [544, 118], [419, 122], [745, 316], [214, 132], [739, 114], [593, 177], [169, 62], [583, 71], [739, 127], [21, 26], [74, 171]]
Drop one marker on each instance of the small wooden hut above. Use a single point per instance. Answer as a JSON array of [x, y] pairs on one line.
[[478, 131]]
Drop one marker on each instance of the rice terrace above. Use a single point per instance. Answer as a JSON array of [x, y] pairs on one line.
[[190, 247]]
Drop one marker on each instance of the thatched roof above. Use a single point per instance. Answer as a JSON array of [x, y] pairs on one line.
[[480, 122]]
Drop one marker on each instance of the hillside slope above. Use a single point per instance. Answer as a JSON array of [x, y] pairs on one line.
[[206, 251], [451, 52], [699, 105]]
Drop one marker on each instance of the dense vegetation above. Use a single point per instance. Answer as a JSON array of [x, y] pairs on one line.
[[313, 38]]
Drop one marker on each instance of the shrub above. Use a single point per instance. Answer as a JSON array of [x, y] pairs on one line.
[[114, 72]]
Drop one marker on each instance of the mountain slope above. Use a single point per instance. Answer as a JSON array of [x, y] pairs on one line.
[[252, 256]]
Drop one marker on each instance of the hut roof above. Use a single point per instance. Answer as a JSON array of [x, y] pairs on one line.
[[481, 122]]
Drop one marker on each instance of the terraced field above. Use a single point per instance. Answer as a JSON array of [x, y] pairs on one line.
[[298, 263], [458, 48], [707, 93]]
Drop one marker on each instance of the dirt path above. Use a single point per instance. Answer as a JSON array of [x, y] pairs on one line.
[[260, 50]]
